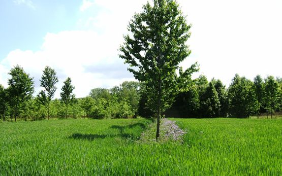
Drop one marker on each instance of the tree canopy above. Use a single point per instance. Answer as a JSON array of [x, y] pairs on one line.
[[154, 48], [48, 82], [67, 95], [20, 89]]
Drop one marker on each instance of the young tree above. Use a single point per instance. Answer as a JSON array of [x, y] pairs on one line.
[[87, 105], [155, 47], [187, 103], [3, 101], [222, 96], [48, 81], [209, 104], [129, 92], [279, 81], [271, 94], [20, 89], [259, 90], [242, 98], [66, 95]]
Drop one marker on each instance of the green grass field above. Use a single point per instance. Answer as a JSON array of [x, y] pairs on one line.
[[111, 147]]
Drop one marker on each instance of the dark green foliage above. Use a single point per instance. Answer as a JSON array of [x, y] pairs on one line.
[[48, 81], [272, 94], [67, 97], [201, 83], [279, 81], [153, 50], [260, 93], [222, 96], [143, 108], [20, 90], [242, 98], [4, 100], [187, 104], [209, 102]]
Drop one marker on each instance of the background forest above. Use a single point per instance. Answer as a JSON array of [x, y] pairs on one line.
[[199, 98]]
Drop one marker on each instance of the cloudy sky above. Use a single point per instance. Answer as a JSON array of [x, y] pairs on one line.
[[80, 39]]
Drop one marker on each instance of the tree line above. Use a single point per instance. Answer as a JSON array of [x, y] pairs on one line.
[[17, 100], [200, 98], [153, 49], [243, 98]]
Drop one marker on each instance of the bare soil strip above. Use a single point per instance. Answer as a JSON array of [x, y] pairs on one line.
[[169, 131]]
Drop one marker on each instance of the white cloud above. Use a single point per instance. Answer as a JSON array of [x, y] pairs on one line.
[[231, 37], [81, 55], [28, 3], [228, 37], [86, 4]]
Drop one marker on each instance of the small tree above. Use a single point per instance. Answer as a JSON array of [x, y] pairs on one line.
[[242, 98], [87, 104], [3, 101], [48, 81], [154, 49], [129, 92], [222, 95], [210, 104], [187, 103], [20, 89], [259, 90], [66, 95], [271, 94]]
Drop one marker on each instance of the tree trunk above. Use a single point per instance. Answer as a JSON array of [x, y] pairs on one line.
[[48, 110], [159, 109], [15, 114], [271, 113], [4, 115], [67, 112]]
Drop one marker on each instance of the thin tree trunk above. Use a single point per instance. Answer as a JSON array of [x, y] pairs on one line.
[[4, 115], [16, 111], [159, 109], [48, 110], [67, 112], [271, 113]]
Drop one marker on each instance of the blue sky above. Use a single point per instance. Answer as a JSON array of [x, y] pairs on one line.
[[25, 23], [80, 39]]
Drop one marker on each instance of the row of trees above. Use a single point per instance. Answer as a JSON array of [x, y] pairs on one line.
[[17, 100], [242, 98], [199, 98]]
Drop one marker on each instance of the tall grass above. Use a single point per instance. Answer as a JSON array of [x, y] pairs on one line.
[[111, 147], [234, 146]]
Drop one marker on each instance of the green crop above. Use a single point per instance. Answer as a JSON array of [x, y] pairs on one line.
[[112, 147]]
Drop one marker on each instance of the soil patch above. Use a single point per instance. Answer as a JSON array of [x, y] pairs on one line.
[[169, 131]]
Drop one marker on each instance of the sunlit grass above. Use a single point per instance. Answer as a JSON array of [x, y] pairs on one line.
[[235, 146], [112, 147]]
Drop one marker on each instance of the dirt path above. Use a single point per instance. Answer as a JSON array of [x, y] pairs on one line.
[[168, 131], [172, 131]]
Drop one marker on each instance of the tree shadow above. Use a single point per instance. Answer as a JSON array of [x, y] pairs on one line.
[[121, 133], [89, 137]]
